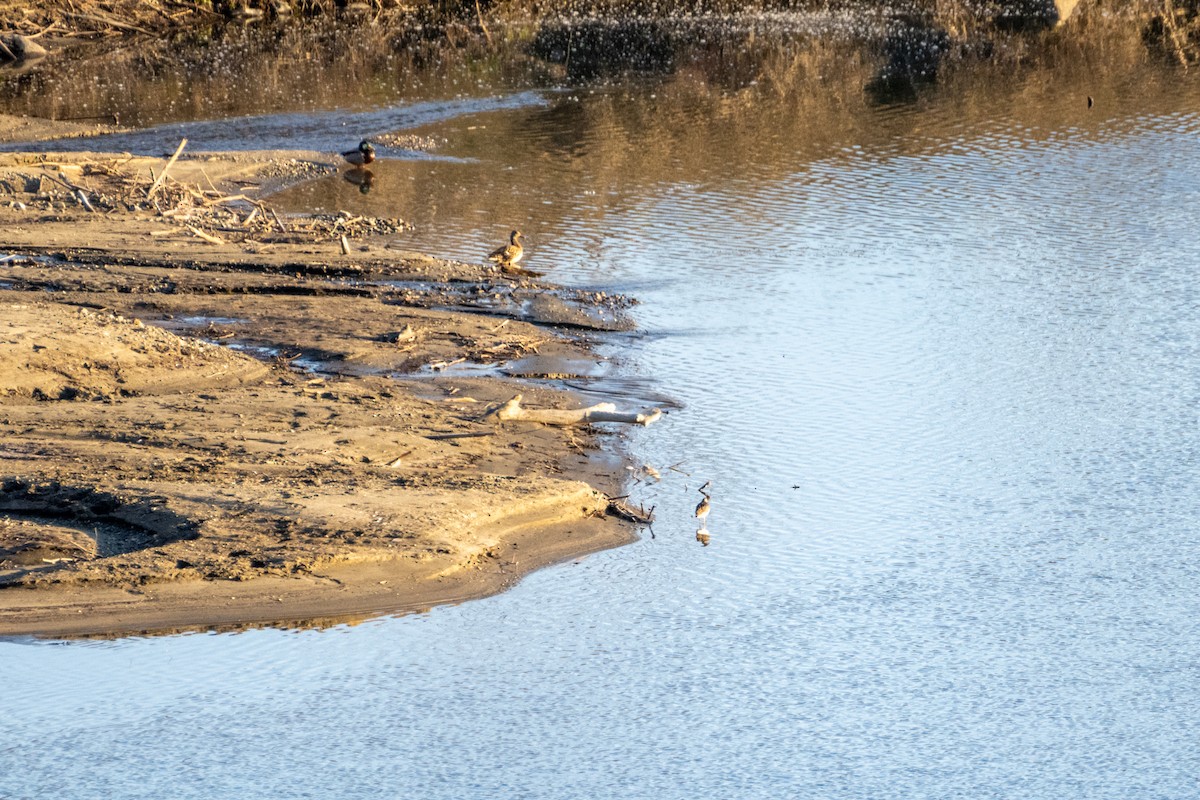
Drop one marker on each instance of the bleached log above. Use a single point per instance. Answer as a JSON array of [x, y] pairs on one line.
[[206, 236], [601, 412]]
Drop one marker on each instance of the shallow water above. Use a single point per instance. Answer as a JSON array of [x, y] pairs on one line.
[[940, 364]]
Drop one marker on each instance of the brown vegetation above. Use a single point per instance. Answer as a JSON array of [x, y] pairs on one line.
[[911, 39]]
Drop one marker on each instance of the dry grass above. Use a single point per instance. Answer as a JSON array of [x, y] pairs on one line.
[[93, 18], [1174, 28], [978, 31]]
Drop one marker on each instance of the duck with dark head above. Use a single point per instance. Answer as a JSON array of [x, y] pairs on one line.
[[362, 155]]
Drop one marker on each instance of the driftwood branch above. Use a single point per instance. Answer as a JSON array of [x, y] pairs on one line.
[[619, 508], [601, 412], [158, 181], [205, 236]]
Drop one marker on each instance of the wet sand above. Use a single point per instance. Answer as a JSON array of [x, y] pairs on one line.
[[211, 415]]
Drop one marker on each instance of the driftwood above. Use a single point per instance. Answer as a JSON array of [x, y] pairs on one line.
[[104, 19], [206, 212], [601, 412], [208, 237], [619, 508], [437, 437], [158, 181]]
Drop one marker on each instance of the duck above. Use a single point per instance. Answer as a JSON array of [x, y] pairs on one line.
[[363, 155], [509, 254]]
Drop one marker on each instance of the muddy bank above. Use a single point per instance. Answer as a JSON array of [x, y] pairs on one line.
[[205, 420]]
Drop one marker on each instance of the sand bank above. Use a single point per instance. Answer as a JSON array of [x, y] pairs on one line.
[[210, 415]]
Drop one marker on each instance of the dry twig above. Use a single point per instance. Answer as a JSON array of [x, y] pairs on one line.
[[158, 181]]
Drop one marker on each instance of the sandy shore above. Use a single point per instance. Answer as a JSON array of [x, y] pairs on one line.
[[211, 416]]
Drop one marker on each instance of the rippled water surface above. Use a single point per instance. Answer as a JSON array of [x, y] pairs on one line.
[[940, 363]]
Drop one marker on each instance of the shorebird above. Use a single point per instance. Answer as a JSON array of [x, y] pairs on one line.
[[704, 506], [363, 155], [509, 254]]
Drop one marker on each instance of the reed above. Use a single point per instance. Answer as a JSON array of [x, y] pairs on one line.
[[1174, 20]]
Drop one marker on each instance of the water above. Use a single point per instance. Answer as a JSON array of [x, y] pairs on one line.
[[940, 363]]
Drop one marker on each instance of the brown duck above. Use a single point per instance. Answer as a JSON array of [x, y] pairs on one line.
[[508, 255]]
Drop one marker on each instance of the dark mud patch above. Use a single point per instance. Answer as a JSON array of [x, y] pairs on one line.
[[43, 524]]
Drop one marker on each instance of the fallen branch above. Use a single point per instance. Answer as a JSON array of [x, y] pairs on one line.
[[231, 198], [619, 508], [107, 20], [437, 437], [158, 181], [601, 412], [84, 200], [438, 366], [62, 179], [395, 462], [206, 237]]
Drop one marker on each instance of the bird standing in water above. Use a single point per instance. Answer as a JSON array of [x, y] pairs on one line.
[[704, 506], [363, 155], [509, 254]]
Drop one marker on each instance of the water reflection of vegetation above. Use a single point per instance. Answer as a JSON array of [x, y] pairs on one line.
[[890, 51], [235, 70], [762, 114]]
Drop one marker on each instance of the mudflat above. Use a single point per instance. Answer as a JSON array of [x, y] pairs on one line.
[[211, 415]]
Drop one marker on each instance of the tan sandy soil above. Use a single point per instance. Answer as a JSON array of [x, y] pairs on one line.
[[262, 428], [28, 129]]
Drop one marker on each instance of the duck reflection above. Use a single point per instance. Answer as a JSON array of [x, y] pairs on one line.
[[361, 177]]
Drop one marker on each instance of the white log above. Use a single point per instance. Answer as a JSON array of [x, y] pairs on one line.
[[601, 412]]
